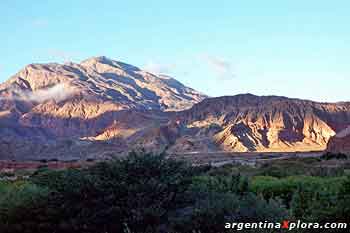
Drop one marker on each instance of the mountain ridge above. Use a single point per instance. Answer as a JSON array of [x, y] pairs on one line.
[[100, 107]]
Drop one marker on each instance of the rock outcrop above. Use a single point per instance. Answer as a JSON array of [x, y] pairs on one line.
[[340, 143]]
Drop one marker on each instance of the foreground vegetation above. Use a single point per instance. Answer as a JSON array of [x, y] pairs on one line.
[[148, 193]]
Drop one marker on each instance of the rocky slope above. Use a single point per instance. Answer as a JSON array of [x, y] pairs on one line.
[[252, 123], [340, 143]]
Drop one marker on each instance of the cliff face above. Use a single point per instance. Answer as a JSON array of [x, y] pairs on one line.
[[340, 143]]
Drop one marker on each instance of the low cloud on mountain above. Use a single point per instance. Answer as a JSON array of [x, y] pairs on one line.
[[58, 93]]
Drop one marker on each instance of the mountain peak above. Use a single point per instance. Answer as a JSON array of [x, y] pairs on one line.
[[99, 59], [95, 61]]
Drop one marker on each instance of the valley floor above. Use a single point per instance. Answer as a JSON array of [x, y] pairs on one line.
[[215, 159], [244, 158]]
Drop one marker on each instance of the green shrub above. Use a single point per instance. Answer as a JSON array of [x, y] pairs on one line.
[[23, 207], [213, 209], [271, 187], [138, 191]]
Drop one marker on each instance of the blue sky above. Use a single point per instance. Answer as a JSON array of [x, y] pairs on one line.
[[291, 48]]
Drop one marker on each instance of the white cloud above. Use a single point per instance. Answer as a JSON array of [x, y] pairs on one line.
[[59, 92], [220, 66], [158, 68]]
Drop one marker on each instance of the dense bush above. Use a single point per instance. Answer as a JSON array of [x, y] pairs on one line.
[[149, 193], [343, 211], [23, 206], [219, 199], [284, 188], [139, 192]]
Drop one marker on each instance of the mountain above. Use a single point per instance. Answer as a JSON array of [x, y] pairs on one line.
[[255, 123], [99, 79], [100, 107], [63, 98], [97, 99]]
